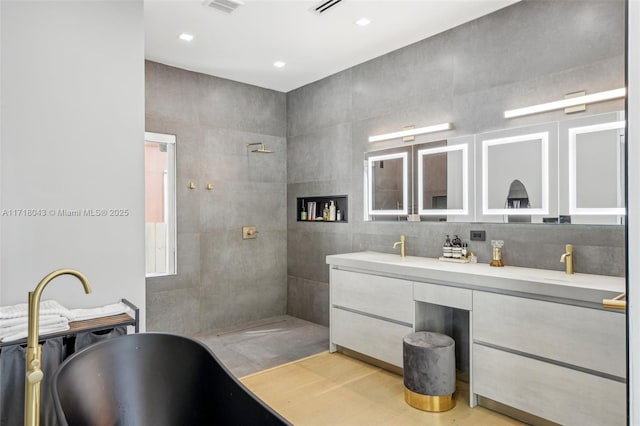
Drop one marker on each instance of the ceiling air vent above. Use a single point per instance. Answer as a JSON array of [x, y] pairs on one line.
[[226, 6], [324, 5]]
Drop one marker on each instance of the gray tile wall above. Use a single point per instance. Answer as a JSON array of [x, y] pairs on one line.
[[531, 52], [222, 280]]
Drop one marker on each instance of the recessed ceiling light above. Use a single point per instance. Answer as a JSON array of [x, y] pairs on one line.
[[363, 22], [279, 64], [185, 37]]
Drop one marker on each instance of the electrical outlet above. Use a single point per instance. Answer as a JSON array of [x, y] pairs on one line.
[[478, 236]]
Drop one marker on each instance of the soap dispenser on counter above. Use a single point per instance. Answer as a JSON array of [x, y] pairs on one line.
[[447, 250], [456, 247]]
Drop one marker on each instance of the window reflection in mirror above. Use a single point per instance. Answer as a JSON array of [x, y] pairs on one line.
[[388, 183], [443, 180], [596, 169]]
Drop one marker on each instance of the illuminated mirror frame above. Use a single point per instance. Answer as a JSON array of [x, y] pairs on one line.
[[543, 137], [405, 182], [573, 208], [465, 181]]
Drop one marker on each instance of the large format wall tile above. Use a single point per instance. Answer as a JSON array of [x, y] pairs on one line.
[[321, 155], [307, 250], [232, 105], [321, 104], [171, 93], [308, 300], [175, 311], [527, 53], [231, 280]]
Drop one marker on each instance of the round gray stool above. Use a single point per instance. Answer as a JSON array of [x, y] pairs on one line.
[[429, 371]]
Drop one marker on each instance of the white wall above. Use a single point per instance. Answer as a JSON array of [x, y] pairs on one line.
[[633, 188], [72, 126]]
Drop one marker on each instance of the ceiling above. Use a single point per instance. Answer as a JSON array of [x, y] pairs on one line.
[[243, 45]]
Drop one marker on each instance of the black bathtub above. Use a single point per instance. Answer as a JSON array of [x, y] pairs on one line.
[[153, 379]]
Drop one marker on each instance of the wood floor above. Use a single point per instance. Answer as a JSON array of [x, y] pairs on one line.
[[334, 389]]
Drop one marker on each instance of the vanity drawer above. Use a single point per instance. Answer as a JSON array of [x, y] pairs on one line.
[[380, 296], [370, 336], [453, 297], [583, 337], [546, 390]]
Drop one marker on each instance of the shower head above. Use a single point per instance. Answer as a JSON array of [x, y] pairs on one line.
[[261, 149]]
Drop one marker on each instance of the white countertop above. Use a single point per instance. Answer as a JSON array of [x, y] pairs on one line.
[[480, 276]]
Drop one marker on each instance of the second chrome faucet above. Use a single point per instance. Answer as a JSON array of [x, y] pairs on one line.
[[400, 243]]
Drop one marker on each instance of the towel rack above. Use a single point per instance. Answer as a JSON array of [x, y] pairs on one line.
[[92, 325]]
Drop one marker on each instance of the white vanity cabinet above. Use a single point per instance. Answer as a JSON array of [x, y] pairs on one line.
[[561, 362], [370, 314], [538, 341]]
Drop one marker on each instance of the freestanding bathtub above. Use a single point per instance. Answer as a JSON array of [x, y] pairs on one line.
[[153, 379]]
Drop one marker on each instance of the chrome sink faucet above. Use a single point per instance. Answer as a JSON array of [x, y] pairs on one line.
[[401, 244], [567, 258]]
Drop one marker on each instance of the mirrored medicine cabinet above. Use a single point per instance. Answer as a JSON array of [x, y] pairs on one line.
[[570, 171]]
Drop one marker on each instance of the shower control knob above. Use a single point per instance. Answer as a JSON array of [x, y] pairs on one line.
[[35, 376]]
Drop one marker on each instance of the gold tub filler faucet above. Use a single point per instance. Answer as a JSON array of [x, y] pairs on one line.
[[400, 243], [567, 259], [34, 351]]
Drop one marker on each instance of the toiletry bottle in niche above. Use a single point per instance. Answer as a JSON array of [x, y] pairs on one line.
[[446, 248], [456, 247], [332, 211], [303, 213], [325, 212], [338, 215]]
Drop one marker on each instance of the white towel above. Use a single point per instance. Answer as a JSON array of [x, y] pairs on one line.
[[100, 311], [23, 320], [60, 325], [47, 307], [44, 322]]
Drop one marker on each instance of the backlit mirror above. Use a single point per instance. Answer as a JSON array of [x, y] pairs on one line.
[[515, 175], [443, 180], [388, 184], [568, 171], [596, 169]]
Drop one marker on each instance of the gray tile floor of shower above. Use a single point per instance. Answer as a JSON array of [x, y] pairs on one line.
[[258, 345]]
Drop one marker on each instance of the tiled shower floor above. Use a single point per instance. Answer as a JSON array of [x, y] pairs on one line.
[[256, 346]]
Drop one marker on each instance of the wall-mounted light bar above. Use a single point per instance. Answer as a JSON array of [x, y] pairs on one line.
[[411, 132], [567, 103]]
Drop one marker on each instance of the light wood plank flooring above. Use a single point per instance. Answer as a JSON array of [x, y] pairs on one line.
[[334, 389]]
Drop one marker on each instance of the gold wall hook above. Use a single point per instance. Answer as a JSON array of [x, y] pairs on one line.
[[209, 187], [192, 185]]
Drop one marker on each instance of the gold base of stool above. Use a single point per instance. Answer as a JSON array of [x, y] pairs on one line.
[[428, 402]]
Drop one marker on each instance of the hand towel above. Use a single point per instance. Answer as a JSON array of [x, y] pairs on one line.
[[62, 325], [100, 311], [47, 307]]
